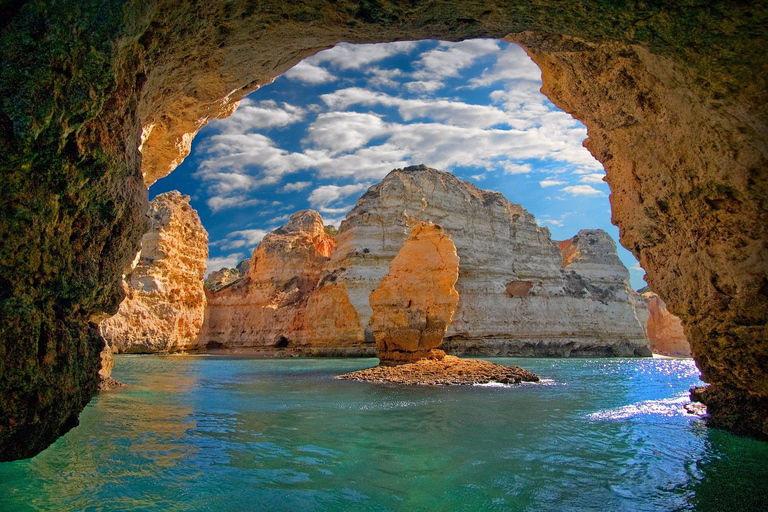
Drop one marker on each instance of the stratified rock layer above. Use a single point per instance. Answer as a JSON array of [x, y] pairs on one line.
[[268, 308], [665, 330], [414, 303], [517, 295], [164, 301], [98, 96]]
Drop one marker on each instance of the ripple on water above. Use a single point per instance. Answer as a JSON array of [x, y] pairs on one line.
[[213, 433]]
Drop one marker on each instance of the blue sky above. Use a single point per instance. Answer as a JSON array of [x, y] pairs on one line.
[[339, 121]]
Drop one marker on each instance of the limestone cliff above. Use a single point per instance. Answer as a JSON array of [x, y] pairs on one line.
[[164, 299], [102, 95], [665, 330], [516, 296], [415, 302], [267, 308]]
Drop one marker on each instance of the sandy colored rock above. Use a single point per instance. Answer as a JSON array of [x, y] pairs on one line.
[[101, 96], [267, 308], [665, 330], [515, 295], [224, 277], [446, 371], [414, 303], [164, 302]]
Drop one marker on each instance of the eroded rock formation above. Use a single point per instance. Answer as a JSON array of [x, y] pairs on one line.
[[164, 301], [665, 330], [224, 277], [98, 96], [516, 297], [414, 303], [268, 308]]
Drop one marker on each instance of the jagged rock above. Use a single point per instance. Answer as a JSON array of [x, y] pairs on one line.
[[516, 297], [414, 303], [444, 371], [672, 94], [226, 276], [164, 301], [665, 330], [267, 309]]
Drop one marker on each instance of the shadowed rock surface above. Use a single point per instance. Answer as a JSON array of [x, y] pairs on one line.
[[101, 97], [164, 302], [414, 303], [665, 330]]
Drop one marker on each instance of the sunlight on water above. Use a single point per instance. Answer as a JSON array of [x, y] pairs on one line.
[[216, 433]]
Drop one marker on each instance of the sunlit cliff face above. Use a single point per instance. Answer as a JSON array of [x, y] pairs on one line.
[[673, 99]]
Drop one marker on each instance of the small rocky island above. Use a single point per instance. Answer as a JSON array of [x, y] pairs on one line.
[[421, 252], [412, 308]]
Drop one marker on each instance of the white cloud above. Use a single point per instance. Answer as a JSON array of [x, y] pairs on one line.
[[309, 73], [251, 116], [296, 186], [551, 182], [351, 56], [449, 58], [511, 64], [324, 195], [513, 168], [423, 86], [218, 203], [583, 190], [229, 261], [594, 177], [380, 77], [243, 238], [344, 131]]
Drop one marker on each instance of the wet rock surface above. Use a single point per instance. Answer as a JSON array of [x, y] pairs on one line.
[[446, 371]]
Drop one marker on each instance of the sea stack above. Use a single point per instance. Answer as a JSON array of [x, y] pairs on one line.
[[164, 301], [415, 302]]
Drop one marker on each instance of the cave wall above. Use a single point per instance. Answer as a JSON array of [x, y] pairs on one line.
[[100, 96]]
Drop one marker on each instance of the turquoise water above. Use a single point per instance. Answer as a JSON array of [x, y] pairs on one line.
[[218, 433]]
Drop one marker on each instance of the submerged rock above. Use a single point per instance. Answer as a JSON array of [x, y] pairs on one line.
[[414, 303], [164, 301], [446, 371]]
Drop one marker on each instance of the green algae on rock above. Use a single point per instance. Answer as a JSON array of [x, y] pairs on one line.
[[95, 96]]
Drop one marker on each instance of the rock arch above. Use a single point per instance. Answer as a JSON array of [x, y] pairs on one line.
[[102, 97]]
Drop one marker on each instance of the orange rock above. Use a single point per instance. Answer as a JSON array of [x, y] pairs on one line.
[[414, 304], [665, 330]]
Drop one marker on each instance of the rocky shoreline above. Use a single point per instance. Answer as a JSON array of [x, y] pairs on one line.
[[449, 371]]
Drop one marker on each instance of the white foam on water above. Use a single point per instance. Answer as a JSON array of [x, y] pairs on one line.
[[668, 407]]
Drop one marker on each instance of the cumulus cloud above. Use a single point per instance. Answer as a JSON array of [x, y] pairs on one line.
[[449, 58], [344, 131], [249, 238], [583, 190], [251, 115], [218, 203], [514, 168], [350, 56], [325, 195], [309, 73], [296, 186], [511, 64]]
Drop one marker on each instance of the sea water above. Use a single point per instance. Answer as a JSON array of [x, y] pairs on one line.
[[225, 433]]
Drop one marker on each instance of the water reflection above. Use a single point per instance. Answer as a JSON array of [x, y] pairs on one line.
[[191, 433]]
